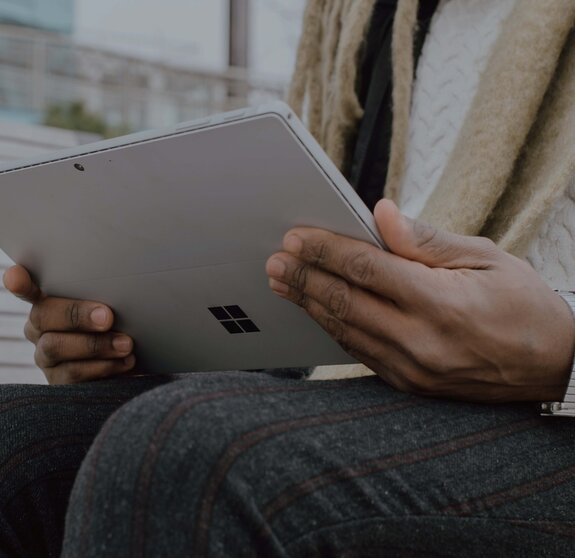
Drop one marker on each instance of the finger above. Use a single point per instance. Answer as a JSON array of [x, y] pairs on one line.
[[31, 333], [346, 302], [352, 340], [18, 281], [385, 359], [88, 371], [359, 263], [60, 314], [421, 242], [55, 348]]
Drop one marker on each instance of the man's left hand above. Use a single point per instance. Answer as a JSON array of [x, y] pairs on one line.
[[439, 314]]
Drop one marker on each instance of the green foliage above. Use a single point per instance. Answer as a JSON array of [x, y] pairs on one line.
[[75, 116]]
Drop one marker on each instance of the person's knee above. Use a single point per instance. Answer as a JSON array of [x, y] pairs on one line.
[[172, 465]]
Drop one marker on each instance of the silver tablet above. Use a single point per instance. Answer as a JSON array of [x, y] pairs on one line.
[[172, 230]]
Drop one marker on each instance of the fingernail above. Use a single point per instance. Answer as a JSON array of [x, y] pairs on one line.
[[293, 244], [276, 268], [130, 361], [279, 287], [99, 317], [122, 344]]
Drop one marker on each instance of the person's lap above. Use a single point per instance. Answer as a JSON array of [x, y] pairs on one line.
[[45, 433], [239, 464]]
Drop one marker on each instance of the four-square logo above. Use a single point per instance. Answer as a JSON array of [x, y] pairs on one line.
[[234, 319]]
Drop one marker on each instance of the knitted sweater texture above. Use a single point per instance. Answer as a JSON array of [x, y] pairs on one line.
[[461, 37]]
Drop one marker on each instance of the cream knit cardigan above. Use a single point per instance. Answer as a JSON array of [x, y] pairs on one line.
[[515, 155]]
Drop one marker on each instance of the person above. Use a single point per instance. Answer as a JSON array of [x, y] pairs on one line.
[[441, 452]]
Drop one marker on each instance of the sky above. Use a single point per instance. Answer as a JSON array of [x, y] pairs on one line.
[[192, 31]]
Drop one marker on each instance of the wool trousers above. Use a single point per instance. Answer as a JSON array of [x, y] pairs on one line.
[[248, 464]]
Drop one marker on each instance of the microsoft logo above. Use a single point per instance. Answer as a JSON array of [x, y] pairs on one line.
[[234, 319]]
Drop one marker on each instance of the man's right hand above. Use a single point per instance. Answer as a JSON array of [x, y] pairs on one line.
[[74, 339]]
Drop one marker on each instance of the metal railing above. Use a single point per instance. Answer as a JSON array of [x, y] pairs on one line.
[[38, 70]]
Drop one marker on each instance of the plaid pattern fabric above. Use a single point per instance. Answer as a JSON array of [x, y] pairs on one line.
[[239, 464]]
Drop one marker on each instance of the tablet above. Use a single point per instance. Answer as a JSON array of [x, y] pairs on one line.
[[172, 230]]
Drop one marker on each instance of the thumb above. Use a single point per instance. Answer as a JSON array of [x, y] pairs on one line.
[[18, 281], [421, 242]]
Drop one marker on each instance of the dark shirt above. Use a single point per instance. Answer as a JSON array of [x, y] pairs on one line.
[[368, 169]]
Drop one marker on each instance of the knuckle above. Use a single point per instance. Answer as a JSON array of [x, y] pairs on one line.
[[303, 301], [50, 348], [361, 267], [73, 314], [317, 252], [336, 330], [431, 240], [300, 277], [425, 234], [29, 332], [339, 299], [94, 344], [35, 317]]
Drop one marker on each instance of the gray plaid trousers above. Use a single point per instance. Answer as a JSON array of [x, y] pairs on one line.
[[244, 464]]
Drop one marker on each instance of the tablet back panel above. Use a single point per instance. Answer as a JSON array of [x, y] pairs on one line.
[[173, 233]]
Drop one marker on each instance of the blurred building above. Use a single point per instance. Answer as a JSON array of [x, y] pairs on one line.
[[39, 69], [50, 15]]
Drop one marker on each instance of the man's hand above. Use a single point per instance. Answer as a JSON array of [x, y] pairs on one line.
[[73, 338], [440, 314]]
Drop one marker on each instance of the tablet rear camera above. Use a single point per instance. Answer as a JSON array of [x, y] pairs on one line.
[[79, 167]]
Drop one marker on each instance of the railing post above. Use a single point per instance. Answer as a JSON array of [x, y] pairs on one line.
[[94, 75], [239, 13], [39, 74]]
